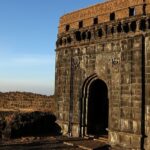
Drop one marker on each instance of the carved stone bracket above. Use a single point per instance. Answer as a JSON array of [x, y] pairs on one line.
[[75, 62]]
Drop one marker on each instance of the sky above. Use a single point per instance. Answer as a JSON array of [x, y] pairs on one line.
[[28, 33]]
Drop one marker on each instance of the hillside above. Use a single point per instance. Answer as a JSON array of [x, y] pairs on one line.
[[25, 101]]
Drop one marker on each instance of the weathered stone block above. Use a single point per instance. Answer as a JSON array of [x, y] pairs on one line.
[[125, 140], [114, 138], [139, 10], [126, 113], [148, 8], [136, 126], [147, 143], [75, 130], [135, 142], [147, 110], [126, 125]]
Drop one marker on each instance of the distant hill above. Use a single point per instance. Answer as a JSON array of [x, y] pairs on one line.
[[26, 101]]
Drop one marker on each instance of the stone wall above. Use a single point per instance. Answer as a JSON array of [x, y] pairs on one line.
[[147, 91]]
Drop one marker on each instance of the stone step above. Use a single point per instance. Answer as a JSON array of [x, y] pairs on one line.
[[101, 139], [89, 144]]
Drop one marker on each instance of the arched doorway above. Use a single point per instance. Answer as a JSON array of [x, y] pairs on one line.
[[94, 107], [97, 115]]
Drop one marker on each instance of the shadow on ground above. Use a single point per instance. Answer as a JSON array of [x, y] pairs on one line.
[[29, 124]]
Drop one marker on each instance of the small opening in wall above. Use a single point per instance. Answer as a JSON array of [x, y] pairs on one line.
[[100, 32], [83, 35], [143, 25], [60, 41], [131, 11], [106, 29], [66, 51], [78, 35], [57, 43], [67, 27], [112, 16], [133, 26], [119, 28], [126, 28], [95, 21], [80, 24], [112, 30], [89, 35], [64, 41], [69, 40]]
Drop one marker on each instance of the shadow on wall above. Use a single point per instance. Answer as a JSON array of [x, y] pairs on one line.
[[29, 124]]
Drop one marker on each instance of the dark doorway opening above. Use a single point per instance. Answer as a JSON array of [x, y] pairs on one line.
[[67, 27], [95, 21], [97, 117], [112, 16], [80, 24], [131, 11]]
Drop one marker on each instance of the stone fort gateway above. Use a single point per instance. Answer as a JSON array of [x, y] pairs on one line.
[[103, 73]]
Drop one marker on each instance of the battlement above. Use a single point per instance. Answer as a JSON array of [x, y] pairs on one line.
[[107, 31], [111, 10]]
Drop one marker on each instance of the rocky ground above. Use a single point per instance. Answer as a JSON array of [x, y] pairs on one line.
[[54, 143]]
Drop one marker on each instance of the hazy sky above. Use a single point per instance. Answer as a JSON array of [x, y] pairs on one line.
[[28, 31]]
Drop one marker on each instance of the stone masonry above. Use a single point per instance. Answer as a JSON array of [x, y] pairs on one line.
[[105, 48]]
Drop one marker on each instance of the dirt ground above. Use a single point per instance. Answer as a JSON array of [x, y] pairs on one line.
[[54, 143]]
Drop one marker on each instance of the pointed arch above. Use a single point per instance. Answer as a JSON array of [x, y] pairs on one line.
[[88, 84]]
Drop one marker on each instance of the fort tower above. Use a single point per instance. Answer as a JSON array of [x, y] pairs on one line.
[[103, 73]]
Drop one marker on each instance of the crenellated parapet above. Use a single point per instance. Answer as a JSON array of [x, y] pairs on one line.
[[104, 12], [101, 31]]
